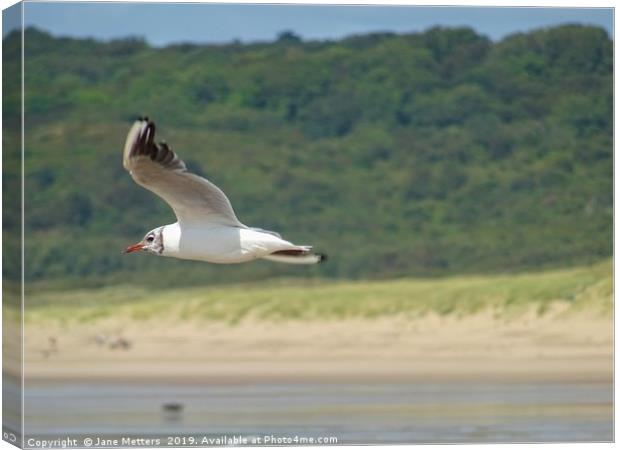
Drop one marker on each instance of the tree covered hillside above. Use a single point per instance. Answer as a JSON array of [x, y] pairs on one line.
[[419, 154]]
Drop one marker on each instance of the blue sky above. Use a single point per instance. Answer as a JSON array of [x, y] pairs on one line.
[[162, 24]]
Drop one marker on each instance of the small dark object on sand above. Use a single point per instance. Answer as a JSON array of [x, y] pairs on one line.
[[173, 407], [121, 343], [172, 411]]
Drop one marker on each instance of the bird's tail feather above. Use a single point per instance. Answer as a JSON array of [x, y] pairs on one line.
[[296, 257]]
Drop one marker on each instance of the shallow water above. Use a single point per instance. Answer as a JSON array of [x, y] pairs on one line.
[[353, 413]]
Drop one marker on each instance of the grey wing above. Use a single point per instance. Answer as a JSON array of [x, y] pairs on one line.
[[157, 168]]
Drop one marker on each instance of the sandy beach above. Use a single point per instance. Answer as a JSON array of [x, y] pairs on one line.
[[560, 345], [501, 374]]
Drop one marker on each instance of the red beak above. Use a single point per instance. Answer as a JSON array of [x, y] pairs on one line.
[[134, 248]]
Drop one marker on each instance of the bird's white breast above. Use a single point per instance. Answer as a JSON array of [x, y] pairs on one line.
[[219, 244]]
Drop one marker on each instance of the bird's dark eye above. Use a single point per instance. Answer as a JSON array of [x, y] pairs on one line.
[[150, 239]]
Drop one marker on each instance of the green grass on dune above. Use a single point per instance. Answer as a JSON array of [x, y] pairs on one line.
[[584, 288]]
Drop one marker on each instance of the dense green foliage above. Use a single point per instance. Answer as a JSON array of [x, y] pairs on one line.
[[431, 153]]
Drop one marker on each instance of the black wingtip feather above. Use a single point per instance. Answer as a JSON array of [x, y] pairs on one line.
[[144, 144], [322, 257]]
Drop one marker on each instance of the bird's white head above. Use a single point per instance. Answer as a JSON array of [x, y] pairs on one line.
[[153, 242]]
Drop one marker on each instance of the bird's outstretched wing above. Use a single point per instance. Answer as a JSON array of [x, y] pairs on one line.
[[156, 167]]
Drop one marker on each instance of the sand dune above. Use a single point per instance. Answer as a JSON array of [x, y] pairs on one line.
[[560, 345]]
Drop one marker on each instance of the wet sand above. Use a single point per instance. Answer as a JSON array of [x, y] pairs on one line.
[[375, 412]]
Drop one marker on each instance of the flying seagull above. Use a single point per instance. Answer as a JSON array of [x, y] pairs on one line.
[[207, 228]]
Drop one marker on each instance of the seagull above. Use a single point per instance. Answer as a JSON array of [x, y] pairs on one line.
[[207, 228]]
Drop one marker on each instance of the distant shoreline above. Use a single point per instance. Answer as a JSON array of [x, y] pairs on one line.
[[558, 372]]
